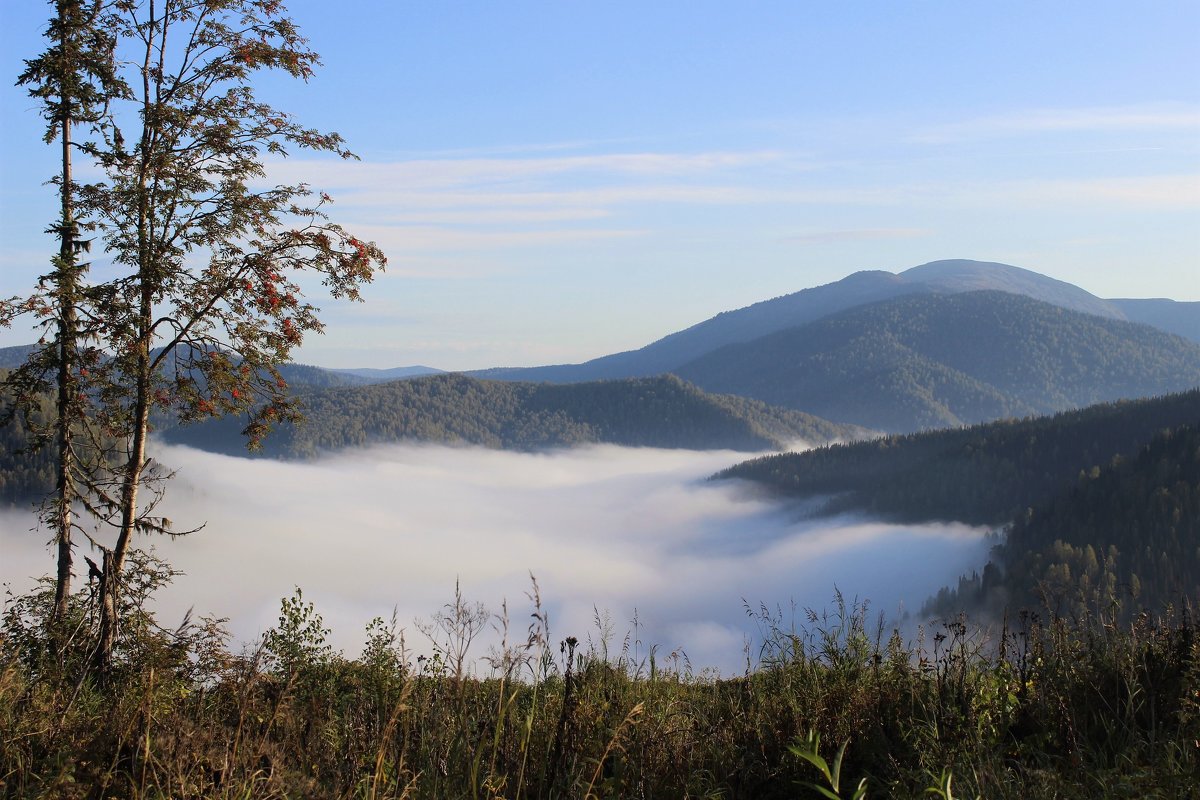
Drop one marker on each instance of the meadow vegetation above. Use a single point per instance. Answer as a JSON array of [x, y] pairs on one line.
[[1032, 707]]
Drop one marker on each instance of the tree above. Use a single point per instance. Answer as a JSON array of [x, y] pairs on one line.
[[74, 79], [209, 256]]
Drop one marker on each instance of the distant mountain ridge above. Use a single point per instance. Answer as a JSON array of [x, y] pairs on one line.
[[455, 409], [932, 360], [392, 374], [1173, 316], [13, 357], [950, 276], [892, 372]]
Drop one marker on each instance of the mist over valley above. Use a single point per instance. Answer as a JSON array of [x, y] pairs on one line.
[[409, 401], [602, 528], [594, 477]]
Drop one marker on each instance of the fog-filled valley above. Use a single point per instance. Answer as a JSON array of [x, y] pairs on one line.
[[605, 530], [978, 560], [411, 401]]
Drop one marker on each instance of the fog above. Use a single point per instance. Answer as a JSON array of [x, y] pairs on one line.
[[621, 531]]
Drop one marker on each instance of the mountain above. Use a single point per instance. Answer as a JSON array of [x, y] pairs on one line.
[[961, 275], [13, 357], [298, 376], [456, 409], [303, 376], [1126, 530], [928, 361], [727, 327], [986, 474], [392, 374], [1173, 316], [937, 277], [25, 475]]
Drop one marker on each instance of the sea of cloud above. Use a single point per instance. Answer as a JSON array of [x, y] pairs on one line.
[[608, 531]]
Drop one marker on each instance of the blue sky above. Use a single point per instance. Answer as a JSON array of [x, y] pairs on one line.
[[557, 181]]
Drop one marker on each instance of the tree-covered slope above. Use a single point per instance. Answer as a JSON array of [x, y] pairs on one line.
[[1123, 536], [985, 474], [13, 357], [1133, 524], [26, 472], [456, 409], [376, 375], [941, 360], [303, 376], [1173, 316]]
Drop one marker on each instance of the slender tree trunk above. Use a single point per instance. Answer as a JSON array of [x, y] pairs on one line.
[[131, 481], [67, 405]]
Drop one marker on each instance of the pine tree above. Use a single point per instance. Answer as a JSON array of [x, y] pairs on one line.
[[75, 80]]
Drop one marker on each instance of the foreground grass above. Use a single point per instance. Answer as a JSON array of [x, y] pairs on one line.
[[1051, 708]]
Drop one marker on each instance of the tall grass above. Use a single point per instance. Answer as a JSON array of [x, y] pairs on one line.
[[1039, 708]]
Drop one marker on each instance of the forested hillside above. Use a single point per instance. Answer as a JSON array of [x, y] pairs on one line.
[[985, 474], [1123, 536], [455, 409], [933, 361], [26, 473], [12, 357], [1173, 316], [303, 376], [27, 470]]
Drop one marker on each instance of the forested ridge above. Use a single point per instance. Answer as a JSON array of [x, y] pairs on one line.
[[26, 471], [456, 409], [28, 463], [932, 361], [986, 474], [1124, 536]]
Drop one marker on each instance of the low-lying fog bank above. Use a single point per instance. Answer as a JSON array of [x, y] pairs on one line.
[[607, 528]]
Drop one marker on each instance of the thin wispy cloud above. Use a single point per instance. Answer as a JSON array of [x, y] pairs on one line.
[[523, 148], [603, 200], [1155, 192], [475, 172], [407, 238], [865, 234], [497, 216], [1066, 120]]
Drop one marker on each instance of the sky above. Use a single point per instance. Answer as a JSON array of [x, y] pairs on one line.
[[555, 181], [608, 532]]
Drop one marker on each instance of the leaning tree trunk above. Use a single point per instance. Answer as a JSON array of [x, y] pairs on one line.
[[114, 560]]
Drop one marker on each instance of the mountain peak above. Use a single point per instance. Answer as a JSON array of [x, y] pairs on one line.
[[964, 275]]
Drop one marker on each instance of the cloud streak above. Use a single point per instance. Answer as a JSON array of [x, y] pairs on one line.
[[448, 173], [624, 531], [1066, 120], [861, 235]]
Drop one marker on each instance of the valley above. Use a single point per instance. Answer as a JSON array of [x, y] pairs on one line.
[[875, 471], [590, 401], [944, 388]]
